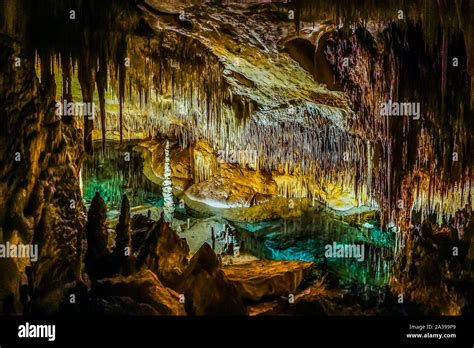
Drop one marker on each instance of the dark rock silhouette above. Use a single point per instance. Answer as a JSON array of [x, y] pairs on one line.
[[229, 248], [123, 251], [164, 252], [207, 289], [213, 237], [9, 304], [97, 255]]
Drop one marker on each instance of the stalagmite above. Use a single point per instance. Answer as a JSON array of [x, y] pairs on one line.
[[168, 205], [122, 251], [97, 256]]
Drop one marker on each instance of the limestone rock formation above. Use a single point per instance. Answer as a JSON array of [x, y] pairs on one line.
[[207, 289], [435, 268], [232, 186], [164, 252], [123, 247], [263, 280], [139, 291], [123, 306], [168, 205], [154, 151], [40, 201], [97, 259]]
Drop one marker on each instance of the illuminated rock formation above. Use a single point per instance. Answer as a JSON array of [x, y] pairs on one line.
[[168, 205], [267, 279]]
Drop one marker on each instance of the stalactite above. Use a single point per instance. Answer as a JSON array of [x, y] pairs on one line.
[[101, 87], [121, 71], [67, 74], [444, 68], [86, 76], [409, 146], [47, 71]]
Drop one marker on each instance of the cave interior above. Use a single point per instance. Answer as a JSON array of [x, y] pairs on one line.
[[193, 157]]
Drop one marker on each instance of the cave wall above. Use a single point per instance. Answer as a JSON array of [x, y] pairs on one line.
[[429, 157], [41, 200], [422, 168]]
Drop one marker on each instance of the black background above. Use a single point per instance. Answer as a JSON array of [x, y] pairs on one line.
[[288, 331]]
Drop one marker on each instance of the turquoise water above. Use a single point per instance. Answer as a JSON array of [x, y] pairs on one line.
[[113, 174], [306, 238]]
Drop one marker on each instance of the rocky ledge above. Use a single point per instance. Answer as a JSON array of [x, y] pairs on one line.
[[264, 279]]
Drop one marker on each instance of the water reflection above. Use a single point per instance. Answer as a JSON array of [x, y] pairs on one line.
[[305, 238], [115, 172]]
